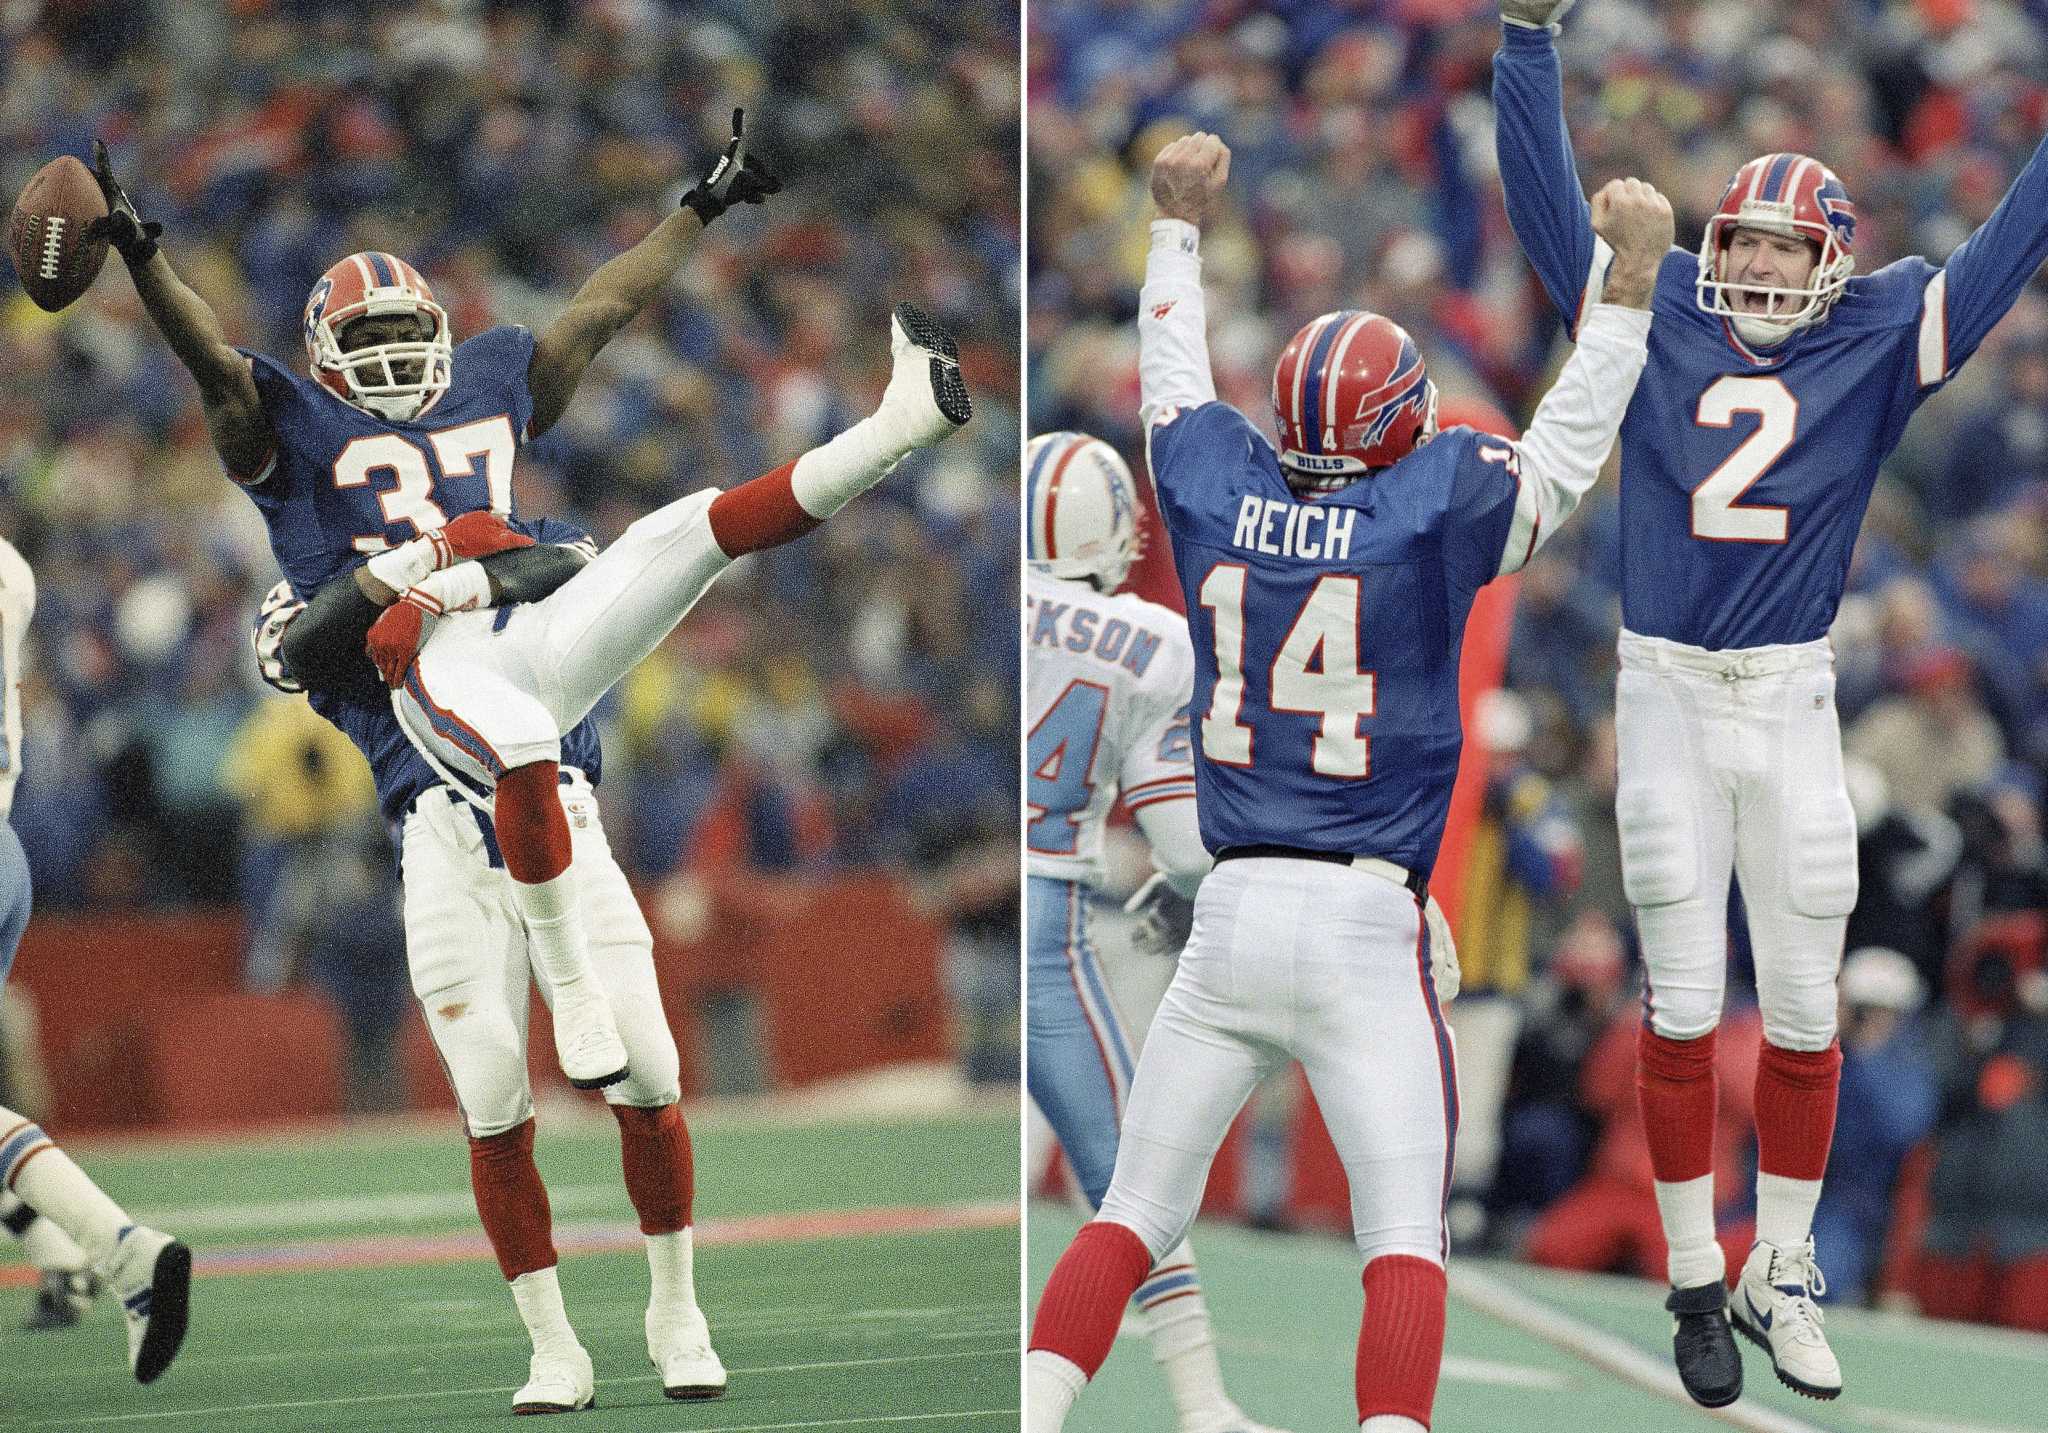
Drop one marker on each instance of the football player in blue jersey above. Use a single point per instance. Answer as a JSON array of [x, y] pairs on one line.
[[1776, 384], [70, 1229], [384, 476], [1327, 586]]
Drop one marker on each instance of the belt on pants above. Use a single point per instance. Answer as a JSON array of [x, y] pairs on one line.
[[1416, 882]]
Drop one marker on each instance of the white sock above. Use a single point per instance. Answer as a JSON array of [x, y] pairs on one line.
[[1183, 1343], [669, 1262], [1784, 1209], [539, 1297], [554, 929], [1390, 1423], [47, 1181], [1687, 1211], [46, 1246], [1051, 1384], [832, 475]]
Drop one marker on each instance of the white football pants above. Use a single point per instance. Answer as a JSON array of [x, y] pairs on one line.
[[466, 948], [1733, 760], [494, 690], [1325, 964]]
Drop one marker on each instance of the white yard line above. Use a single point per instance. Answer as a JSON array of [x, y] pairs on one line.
[[1912, 1423], [1604, 1351], [415, 1396]]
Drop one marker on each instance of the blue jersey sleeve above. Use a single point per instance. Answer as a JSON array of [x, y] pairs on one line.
[[1985, 274], [1484, 491], [554, 532], [501, 356], [1185, 445], [1546, 205]]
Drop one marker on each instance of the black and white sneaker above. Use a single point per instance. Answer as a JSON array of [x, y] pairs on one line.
[[62, 1298], [926, 398], [1709, 1364], [152, 1274]]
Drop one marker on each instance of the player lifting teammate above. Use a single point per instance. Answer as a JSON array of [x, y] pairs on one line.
[[1327, 586], [1107, 677], [1776, 384], [385, 481]]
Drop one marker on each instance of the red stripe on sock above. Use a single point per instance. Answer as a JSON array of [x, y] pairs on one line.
[[661, 1175], [1795, 1110], [1400, 1338], [533, 830], [1676, 1088], [20, 1164], [511, 1200], [1084, 1299], [759, 513]]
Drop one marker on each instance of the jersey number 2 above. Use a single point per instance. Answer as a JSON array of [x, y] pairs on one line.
[[1716, 515], [1062, 754], [1315, 672], [410, 499]]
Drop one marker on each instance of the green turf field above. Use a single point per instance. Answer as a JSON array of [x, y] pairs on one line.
[[1530, 1351], [856, 1275]]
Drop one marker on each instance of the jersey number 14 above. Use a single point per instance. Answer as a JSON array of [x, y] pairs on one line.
[[1315, 673]]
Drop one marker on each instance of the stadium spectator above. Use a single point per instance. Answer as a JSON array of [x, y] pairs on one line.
[[1887, 1107]]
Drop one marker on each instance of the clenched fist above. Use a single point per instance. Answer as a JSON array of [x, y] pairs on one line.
[[1636, 222], [1188, 175]]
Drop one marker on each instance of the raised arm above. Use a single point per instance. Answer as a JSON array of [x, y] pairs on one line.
[[622, 286], [1560, 455], [1173, 323], [1985, 274], [227, 389], [1539, 179]]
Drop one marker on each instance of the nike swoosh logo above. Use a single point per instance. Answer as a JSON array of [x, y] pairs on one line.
[[1762, 1318]]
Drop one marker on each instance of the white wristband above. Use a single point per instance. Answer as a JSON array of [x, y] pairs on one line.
[[407, 564], [461, 588]]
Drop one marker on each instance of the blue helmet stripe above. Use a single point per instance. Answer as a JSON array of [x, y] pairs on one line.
[[1775, 180], [1312, 388], [382, 270]]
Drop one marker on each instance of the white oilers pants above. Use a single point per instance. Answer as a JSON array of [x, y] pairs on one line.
[[1733, 761], [1328, 965], [493, 691], [466, 949]]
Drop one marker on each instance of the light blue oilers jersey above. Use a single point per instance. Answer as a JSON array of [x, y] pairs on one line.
[[343, 483], [1745, 472], [1327, 633]]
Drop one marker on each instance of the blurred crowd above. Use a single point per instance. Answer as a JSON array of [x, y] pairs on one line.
[[849, 701], [1363, 175]]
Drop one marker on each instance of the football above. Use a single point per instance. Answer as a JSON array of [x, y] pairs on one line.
[[46, 237]]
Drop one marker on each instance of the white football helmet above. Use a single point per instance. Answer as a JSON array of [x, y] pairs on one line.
[[1083, 509]]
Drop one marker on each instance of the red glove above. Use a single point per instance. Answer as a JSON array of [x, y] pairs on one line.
[[479, 534], [395, 637]]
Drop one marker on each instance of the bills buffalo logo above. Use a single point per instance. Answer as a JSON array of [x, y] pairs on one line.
[[1413, 400], [1841, 214], [316, 305]]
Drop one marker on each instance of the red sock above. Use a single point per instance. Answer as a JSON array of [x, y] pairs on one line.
[[511, 1200], [661, 1179], [760, 513], [1084, 1299], [1676, 1087], [1795, 1110], [1401, 1337], [533, 830]]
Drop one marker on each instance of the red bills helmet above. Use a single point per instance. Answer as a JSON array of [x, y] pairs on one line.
[[1792, 196], [393, 380], [1351, 396], [1083, 509]]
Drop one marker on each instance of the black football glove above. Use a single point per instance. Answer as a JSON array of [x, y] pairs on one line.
[[134, 240], [737, 178]]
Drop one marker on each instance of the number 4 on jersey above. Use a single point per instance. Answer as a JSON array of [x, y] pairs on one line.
[[1315, 673], [1062, 756]]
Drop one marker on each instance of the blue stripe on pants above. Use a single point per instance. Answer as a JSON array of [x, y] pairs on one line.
[[1069, 1079]]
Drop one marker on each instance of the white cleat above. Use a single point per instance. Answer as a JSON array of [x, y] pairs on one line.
[[557, 1383], [587, 1037], [151, 1274], [679, 1347], [1773, 1308], [925, 400]]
